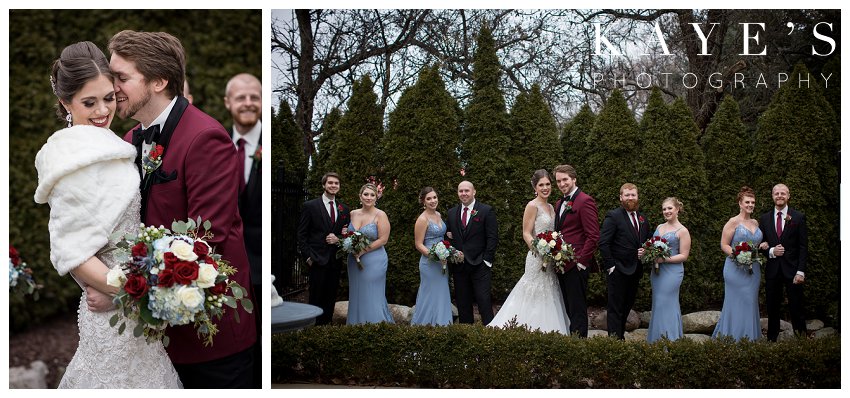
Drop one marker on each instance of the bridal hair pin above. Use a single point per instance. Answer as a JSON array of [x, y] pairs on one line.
[[53, 85]]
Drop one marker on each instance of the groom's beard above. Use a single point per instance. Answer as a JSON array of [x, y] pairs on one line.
[[630, 204], [134, 107]]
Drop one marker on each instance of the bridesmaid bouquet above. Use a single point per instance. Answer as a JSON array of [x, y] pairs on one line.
[[353, 242], [444, 252], [20, 275], [744, 253], [555, 252], [172, 279], [654, 248]]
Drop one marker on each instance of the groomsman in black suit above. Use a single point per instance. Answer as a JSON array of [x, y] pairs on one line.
[[473, 230], [623, 232], [243, 98], [322, 220], [786, 246]]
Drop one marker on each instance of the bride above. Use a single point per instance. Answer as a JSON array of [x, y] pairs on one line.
[[87, 176], [536, 300]]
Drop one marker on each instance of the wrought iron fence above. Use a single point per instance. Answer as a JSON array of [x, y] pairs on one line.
[[288, 196]]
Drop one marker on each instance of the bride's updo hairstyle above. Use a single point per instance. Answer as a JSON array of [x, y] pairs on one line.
[[77, 65], [538, 175]]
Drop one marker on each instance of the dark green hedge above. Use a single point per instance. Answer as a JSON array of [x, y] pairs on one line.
[[464, 356], [218, 44]]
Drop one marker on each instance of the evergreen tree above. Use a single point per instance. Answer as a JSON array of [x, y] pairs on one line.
[[798, 141], [685, 165], [324, 147], [655, 169], [485, 149], [354, 154], [612, 145], [574, 140], [534, 136], [286, 144], [419, 151]]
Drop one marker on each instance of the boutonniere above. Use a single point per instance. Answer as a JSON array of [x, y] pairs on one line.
[[342, 213], [258, 155], [640, 218], [153, 160], [787, 218], [474, 212], [569, 206]]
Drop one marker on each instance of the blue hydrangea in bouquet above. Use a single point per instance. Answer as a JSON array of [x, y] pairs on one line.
[[444, 252], [174, 278], [353, 242], [20, 276]]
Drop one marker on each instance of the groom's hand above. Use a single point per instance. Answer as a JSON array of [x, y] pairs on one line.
[[98, 301]]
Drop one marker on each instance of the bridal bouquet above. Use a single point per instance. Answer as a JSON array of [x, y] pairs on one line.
[[174, 278], [443, 252], [20, 275], [654, 248], [353, 242], [744, 253], [555, 252]]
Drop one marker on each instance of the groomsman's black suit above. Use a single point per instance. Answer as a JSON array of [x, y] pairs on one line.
[[251, 210], [313, 228], [780, 271], [478, 242], [619, 244]]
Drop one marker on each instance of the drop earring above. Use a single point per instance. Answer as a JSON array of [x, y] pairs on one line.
[[69, 119]]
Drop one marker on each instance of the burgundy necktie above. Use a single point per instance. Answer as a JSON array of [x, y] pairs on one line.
[[779, 224], [333, 214], [634, 220], [240, 156], [463, 217]]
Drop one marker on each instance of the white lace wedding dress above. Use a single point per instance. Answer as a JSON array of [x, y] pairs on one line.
[[105, 359], [536, 300]]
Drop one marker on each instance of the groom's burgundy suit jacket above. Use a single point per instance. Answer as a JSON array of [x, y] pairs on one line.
[[580, 228], [198, 178]]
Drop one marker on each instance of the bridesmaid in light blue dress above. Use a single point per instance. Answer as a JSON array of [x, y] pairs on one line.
[[367, 300], [666, 320], [740, 315], [433, 301]]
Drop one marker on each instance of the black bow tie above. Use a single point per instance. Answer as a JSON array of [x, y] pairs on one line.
[[566, 198], [149, 135]]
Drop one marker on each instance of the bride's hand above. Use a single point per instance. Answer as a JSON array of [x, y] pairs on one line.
[[98, 301]]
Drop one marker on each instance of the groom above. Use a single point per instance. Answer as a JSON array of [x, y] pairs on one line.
[[472, 229], [197, 177], [623, 232], [576, 218]]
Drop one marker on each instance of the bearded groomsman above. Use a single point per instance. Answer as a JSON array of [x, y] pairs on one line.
[[786, 246], [623, 232], [576, 218]]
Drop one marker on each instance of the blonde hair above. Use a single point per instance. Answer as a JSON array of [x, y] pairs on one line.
[[368, 186], [676, 203]]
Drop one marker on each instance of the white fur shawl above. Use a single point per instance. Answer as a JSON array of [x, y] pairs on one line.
[[87, 176]]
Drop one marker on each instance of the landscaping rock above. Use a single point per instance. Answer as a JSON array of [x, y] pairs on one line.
[[702, 322], [814, 324], [644, 318], [33, 377], [824, 332], [401, 313], [340, 313]]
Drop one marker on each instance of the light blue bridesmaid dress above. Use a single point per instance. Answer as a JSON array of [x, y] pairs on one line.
[[740, 315], [433, 301], [367, 299], [666, 315]]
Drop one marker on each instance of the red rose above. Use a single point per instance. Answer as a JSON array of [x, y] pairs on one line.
[[201, 249], [14, 256], [169, 259], [185, 272], [156, 151], [136, 285], [211, 261], [219, 288], [140, 250], [165, 278]]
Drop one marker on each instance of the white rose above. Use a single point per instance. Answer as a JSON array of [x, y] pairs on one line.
[[190, 297], [206, 276], [552, 244], [115, 277], [183, 250]]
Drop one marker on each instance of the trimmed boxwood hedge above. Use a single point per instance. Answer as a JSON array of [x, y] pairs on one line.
[[473, 356]]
